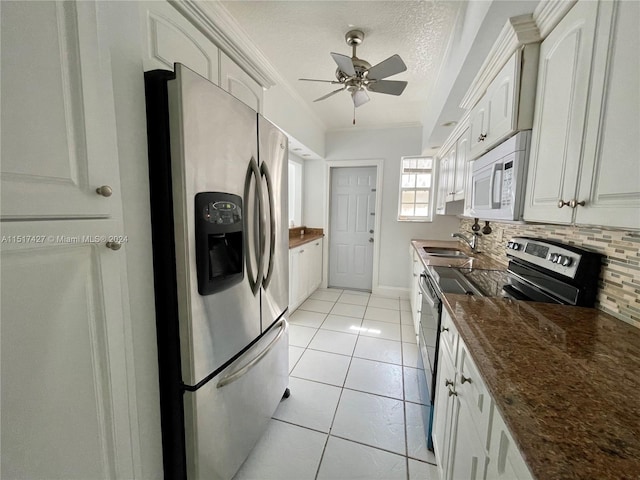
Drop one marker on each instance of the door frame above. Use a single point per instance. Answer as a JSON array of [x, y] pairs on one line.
[[378, 164]]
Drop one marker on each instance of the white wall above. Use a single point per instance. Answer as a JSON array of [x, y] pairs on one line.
[[390, 145], [120, 23], [282, 109]]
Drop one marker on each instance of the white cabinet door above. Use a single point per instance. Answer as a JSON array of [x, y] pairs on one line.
[[239, 84], [478, 126], [295, 291], [65, 398], [314, 266], [443, 184], [451, 174], [506, 462], [58, 126], [501, 97], [445, 411], [468, 456], [559, 118], [168, 38], [463, 146], [610, 178]]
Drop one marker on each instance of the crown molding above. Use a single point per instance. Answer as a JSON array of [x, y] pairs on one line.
[[548, 14], [518, 31], [455, 134], [217, 24]]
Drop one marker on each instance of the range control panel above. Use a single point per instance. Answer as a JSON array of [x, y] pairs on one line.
[[547, 254]]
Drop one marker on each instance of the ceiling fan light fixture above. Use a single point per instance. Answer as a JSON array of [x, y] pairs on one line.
[[357, 76]]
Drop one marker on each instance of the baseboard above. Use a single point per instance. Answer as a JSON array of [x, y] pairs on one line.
[[386, 291]]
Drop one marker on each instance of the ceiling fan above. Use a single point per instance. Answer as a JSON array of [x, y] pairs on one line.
[[357, 76]]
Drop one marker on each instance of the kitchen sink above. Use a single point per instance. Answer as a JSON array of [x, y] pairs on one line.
[[445, 252]]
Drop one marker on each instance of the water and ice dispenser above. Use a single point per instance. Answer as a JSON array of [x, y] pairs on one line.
[[219, 240]]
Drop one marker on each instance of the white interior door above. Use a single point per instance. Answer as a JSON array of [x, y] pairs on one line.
[[351, 228]]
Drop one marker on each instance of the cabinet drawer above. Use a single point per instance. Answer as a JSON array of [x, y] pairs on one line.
[[473, 392], [449, 336]]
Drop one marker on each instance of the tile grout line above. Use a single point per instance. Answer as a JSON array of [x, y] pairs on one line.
[[335, 412]]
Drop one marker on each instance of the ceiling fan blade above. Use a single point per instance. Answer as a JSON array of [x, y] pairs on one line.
[[315, 80], [329, 94], [386, 68], [359, 97], [344, 63], [390, 87]]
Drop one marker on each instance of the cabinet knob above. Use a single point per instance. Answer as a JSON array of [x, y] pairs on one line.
[[444, 329], [482, 137], [301, 251], [452, 393], [104, 190], [464, 379], [371, 240], [562, 203], [113, 245], [448, 383], [574, 203]]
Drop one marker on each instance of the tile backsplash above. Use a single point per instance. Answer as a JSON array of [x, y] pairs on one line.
[[619, 292]]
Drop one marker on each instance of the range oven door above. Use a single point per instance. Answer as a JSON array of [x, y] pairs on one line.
[[429, 329]]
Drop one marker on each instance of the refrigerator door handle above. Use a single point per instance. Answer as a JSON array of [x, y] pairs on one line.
[[254, 282], [264, 171], [235, 375]]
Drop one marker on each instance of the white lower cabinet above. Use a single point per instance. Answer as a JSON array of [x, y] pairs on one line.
[[416, 296], [305, 272], [471, 440]]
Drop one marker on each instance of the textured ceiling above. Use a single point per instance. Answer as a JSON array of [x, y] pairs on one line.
[[297, 36]]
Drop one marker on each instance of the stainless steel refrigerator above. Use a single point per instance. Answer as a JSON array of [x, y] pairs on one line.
[[218, 187]]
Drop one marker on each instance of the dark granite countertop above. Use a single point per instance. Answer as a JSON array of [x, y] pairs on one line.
[[297, 238], [565, 379]]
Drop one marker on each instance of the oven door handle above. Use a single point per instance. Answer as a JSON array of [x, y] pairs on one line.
[[427, 293]]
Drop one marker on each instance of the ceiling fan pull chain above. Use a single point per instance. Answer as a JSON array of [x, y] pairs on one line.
[[354, 113]]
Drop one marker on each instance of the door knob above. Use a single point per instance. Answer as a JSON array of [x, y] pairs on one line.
[[371, 240], [104, 190]]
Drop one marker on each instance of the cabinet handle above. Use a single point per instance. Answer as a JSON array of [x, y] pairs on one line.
[[482, 137], [104, 190], [444, 329], [562, 203], [113, 245], [574, 203], [448, 383], [465, 379], [452, 393]]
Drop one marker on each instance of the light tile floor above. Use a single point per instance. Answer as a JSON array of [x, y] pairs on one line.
[[356, 408]]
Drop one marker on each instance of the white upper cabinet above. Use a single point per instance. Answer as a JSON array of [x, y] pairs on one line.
[[507, 105], [168, 38], [584, 166], [239, 84], [463, 150], [58, 125]]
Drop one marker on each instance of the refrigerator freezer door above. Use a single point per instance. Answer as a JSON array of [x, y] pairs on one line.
[[273, 152], [213, 139], [225, 417]]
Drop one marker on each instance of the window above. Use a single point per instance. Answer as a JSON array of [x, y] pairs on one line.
[[416, 189]]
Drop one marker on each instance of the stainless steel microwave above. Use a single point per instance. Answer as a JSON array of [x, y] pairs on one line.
[[498, 181]]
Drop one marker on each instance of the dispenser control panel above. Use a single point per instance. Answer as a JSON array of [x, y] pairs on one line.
[[222, 213]]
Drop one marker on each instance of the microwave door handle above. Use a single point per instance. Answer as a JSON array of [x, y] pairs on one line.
[[496, 170]]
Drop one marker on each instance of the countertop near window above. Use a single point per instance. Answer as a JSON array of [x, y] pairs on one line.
[[475, 260], [297, 237], [565, 379]]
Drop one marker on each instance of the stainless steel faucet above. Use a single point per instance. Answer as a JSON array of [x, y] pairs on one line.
[[473, 243]]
